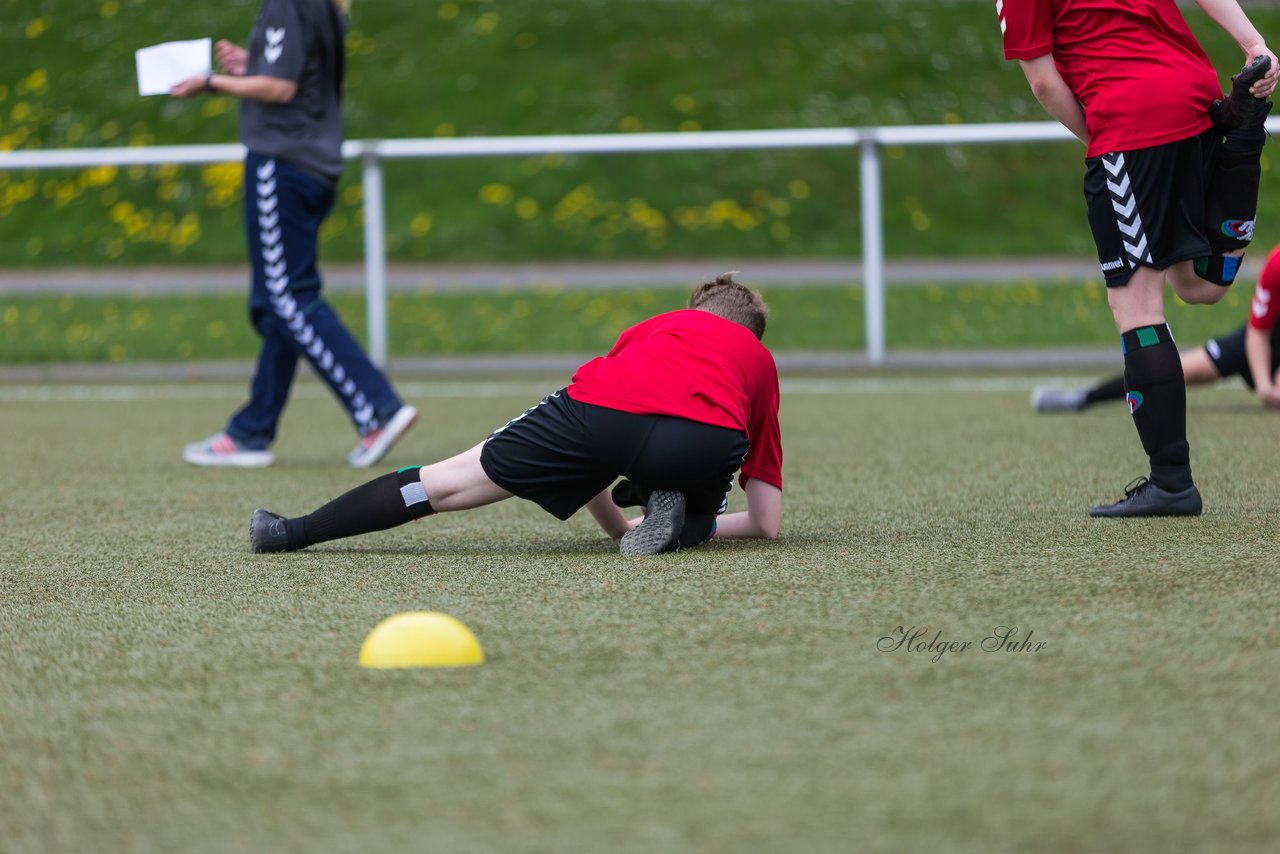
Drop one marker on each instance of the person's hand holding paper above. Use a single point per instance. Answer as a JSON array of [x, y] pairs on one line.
[[163, 66]]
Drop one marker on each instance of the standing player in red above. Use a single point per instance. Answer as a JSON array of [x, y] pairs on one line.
[[682, 402], [1251, 352], [1171, 184]]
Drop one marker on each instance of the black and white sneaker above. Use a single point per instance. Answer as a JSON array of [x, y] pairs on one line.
[[1045, 399], [1240, 112], [1144, 498], [660, 530], [267, 532]]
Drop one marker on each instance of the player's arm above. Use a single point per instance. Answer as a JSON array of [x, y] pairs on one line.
[[1257, 350], [762, 518], [1228, 15], [609, 516], [1054, 94], [259, 87]]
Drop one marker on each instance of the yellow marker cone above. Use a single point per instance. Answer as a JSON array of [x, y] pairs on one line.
[[420, 639]]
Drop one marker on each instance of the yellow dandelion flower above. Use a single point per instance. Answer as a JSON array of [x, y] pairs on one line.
[[684, 103], [36, 27], [421, 224], [630, 124], [524, 41], [210, 107], [98, 176], [798, 189], [486, 23], [496, 194], [527, 208], [447, 11]]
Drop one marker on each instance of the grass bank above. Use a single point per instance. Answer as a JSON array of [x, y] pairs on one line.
[[466, 68]]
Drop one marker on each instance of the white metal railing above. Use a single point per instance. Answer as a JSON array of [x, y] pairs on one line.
[[868, 141]]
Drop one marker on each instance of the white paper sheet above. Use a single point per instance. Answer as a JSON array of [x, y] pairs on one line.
[[163, 66]]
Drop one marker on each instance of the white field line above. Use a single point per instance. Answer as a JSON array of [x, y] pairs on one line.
[[416, 390]]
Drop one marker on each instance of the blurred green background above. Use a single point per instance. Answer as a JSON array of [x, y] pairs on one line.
[[431, 68]]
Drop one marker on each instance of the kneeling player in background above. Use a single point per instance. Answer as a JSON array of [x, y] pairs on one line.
[[1251, 352], [682, 402]]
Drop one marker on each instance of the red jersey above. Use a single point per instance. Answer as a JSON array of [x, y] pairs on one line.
[[1136, 67], [696, 365], [1266, 296]]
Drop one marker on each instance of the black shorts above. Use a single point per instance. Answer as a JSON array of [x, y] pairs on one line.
[[1147, 207], [562, 453], [1228, 354]]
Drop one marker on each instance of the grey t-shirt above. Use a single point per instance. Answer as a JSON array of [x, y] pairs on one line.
[[302, 41]]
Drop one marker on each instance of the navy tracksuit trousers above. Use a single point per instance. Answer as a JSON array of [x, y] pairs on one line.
[[283, 210]]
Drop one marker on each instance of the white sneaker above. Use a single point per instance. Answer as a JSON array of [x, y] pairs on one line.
[[1045, 399], [374, 446], [222, 450]]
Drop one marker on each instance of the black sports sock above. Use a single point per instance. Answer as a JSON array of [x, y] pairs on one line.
[[382, 503], [1157, 396], [1231, 203], [1110, 389]]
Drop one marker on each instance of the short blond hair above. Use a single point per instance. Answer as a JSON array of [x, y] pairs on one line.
[[724, 297]]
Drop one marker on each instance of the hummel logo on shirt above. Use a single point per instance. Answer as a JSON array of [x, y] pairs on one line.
[[1261, 302], [275, 44]]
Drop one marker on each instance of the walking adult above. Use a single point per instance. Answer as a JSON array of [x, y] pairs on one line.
[[289, 81]]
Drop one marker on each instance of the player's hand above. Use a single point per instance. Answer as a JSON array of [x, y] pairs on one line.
[[1264, 87], [234, 60], [1269, 397], [189, 88]]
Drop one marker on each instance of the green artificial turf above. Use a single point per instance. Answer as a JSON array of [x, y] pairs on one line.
[[165, 690], [71, 328]]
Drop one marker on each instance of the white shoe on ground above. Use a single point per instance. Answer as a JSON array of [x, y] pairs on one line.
[[374, 445], [220, 450], [1045, 399]]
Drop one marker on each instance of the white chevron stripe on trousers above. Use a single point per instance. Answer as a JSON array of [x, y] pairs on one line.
[[1125, 204], [286, 308]]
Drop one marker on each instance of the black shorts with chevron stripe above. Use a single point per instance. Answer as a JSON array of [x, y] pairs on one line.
[[1147, 207]]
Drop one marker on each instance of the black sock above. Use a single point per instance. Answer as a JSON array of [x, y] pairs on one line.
[[1231, 203], [382, 503], [1157, 396], [1112, 389]]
